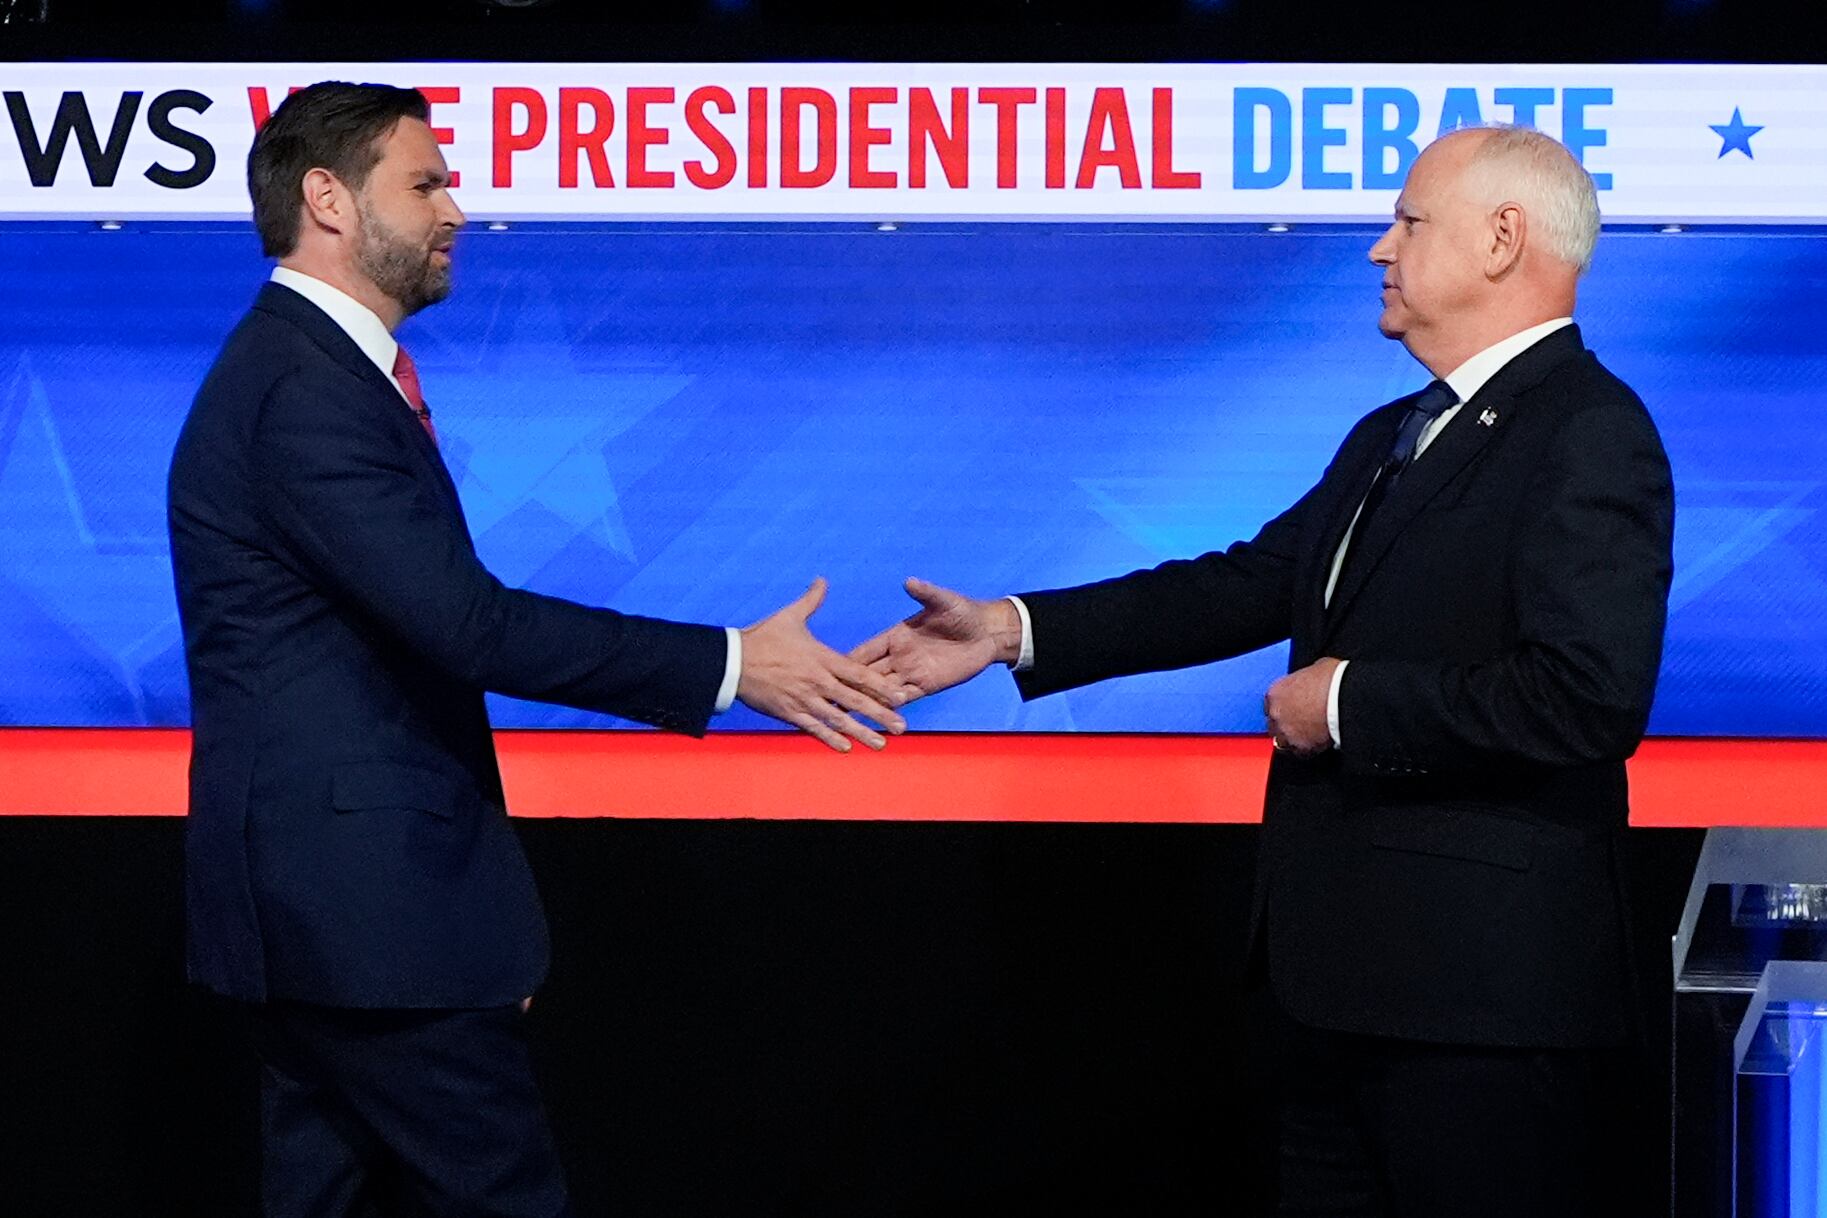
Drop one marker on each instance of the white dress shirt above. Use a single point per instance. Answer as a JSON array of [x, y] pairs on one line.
[[370, 333], [1465, 381]]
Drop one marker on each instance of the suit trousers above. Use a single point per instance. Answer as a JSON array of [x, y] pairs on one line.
[[1375, 1127], [401, 1114]]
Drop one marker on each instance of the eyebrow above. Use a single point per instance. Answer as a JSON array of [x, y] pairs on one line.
[[436, 177]]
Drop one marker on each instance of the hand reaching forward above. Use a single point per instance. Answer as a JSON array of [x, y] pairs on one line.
[[951, 639], [790, 675]]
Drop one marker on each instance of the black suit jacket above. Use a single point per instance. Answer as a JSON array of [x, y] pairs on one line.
[[1449, 874], [347, 842]]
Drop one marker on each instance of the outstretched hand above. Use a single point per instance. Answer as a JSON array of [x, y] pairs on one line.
[[951, 639], [791, 676]]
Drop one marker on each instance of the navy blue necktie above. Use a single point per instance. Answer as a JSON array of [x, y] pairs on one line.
[[1429, 405]]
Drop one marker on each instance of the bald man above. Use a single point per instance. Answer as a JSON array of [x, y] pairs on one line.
[[1475, 591]]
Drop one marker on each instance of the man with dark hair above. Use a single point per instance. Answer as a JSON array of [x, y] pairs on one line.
[[352, 879], [330, 126]]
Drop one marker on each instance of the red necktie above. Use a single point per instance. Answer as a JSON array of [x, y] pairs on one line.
[[408, 376]]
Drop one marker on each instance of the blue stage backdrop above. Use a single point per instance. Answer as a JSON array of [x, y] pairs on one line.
[[693, 422]]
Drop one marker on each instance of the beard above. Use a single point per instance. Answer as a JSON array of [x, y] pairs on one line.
[[404, 270]]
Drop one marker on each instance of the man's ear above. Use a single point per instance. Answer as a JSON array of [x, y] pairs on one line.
[[328, 203], [1509, 229]]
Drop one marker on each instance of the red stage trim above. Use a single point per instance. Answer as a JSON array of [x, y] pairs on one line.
[[777, 776]]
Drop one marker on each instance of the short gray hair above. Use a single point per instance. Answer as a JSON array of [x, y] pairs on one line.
[[1521, 165]]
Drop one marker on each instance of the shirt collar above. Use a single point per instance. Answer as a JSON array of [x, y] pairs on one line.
[[352, 316], [1468, 378]]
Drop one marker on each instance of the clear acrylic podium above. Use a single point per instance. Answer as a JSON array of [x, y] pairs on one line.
[[1777, 1116], [1750, 1027]]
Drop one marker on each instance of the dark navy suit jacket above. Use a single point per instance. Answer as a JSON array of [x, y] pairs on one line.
[[347, 842], [1451, 873]]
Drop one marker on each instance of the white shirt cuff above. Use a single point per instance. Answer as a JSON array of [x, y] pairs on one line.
[[1332, 703], [1026, 660], [732, 671]]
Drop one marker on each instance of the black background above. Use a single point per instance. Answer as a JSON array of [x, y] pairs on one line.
[[751, 1018], [1412, 31]]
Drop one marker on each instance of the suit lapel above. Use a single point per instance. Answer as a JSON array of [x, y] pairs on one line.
[[1461, 440], [289, 305], [1458, 442], [1343, 509]]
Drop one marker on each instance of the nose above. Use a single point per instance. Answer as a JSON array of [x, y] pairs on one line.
[[1383, 253], [453, 216]]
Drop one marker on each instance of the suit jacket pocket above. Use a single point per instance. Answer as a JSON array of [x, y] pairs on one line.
[[1455, 831], [356, 786]]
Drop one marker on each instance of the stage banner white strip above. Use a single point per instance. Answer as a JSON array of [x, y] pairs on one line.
[[908, 142]]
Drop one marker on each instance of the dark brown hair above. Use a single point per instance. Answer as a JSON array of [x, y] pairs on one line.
[[332, 125]]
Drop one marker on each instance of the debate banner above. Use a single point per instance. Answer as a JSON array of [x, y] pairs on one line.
[[1744, 144]]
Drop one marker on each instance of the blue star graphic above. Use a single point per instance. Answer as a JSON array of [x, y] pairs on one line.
[[1735, 135]]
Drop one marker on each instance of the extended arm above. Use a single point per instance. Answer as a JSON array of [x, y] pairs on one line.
[[336, 484]]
